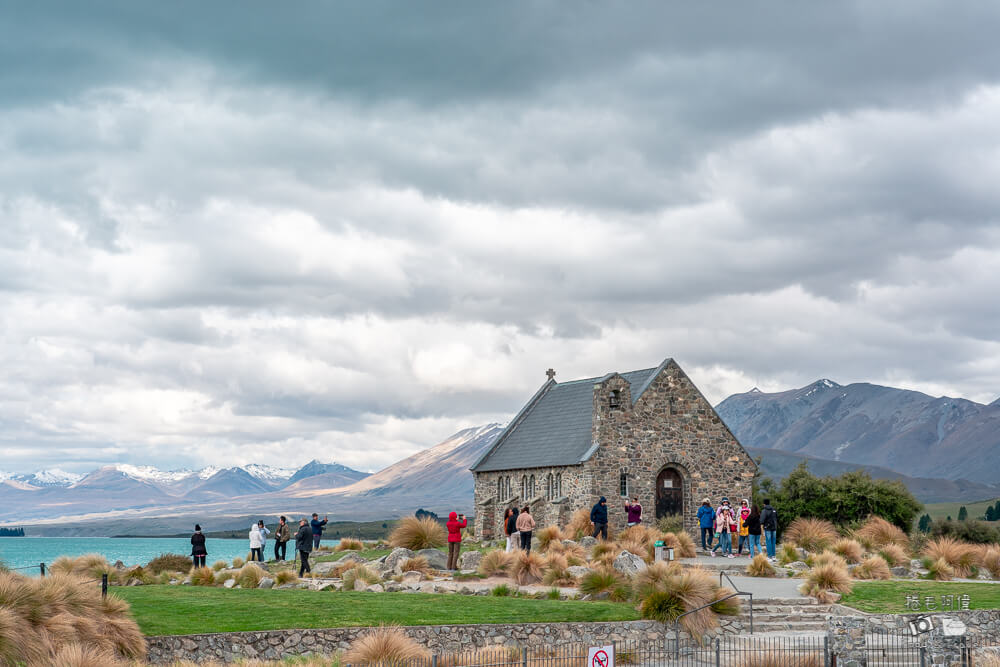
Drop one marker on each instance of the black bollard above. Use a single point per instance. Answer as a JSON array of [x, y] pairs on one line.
[[104, 585]]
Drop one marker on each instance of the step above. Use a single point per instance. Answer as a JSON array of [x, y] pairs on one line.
[[778, 618], [791, 625]]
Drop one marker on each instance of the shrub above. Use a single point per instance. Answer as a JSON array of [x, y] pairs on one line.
[[496, 563], [202, 576], [811, 534], [556, 571], [602, 548], [661, 606], [682, 544], [959, 555], [975, 532], [828, 558], [988, 558], [238, 563], [579, 525], [850, 550], [249, 576], [359, 573], [546, 536], [527, 567], [89, 566], [599, 581], [761, 567], [655, 578], [501, 591], [169, 563], [788, 554], [873, 567], [349, 544], [285, 577], [877, 532], [416, 534], [385, 645], [415, 564], [725, 605], [219, 565], [894, 554], [824, 579], [672, 523]]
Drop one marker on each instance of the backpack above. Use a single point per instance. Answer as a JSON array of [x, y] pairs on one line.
[[769, 519]]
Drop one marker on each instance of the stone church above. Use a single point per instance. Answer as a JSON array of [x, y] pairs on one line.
[[647, 433]]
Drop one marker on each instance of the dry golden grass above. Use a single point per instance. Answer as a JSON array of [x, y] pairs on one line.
[[238, 563], [415, 564], [988, 558], [285, 577], [349, 544], [547, 536], [556, 571], [983, 659], [656, 577], [81, 655], [249, 576], [579, 525], [599, 581], [528, 567], [761, 567], [828, 558], [602, 548], [416, 534], [360, 573], [682, 544], [604, 560], [894, 554], [959, 555], [849, 550], [726, 605], [385, 645], [695, 588], [572, 655], [202, 576], [811, 534], [825, 579], [787, 553], [877, 532], [774, 658], [219, 565], [873, 567], [941, 570], [89, 566], [637, 547], [169, 563]]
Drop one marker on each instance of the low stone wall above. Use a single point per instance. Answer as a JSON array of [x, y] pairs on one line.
[[977, 621], [279, 644]]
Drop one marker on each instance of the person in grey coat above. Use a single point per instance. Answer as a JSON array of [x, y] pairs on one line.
[[304, 545]]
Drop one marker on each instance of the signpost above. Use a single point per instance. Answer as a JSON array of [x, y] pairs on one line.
[[601, 656]]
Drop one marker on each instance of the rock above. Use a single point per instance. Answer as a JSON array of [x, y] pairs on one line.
[[119, 565], [134, 582], [438, 560], [266, 582], [285, 587], [229, 583], [603, 595], [323, 569], [413, 577], [578, 571], [920, 573], [803, 554], [351, 557], [186, 582], [393, 587], [798, 566], [629, 564], [375, 588], [900, 572], [585, 598], [588, 542], [569, 543], [984, 575], [916, 564], [465, 590], [329, 587], [396, 557], [470, 560]]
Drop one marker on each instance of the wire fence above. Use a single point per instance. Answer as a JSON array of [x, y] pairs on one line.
[[43, 570]]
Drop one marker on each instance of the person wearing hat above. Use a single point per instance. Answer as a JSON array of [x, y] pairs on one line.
[[304, 545], [706, 518]]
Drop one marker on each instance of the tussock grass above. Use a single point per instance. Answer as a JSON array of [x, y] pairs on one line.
[[602, 548], [894, 554], [88, 566], [579, 525], [673, 523], [637, 547], [761, 567], [169, 563], [873, 567], [496, 564], [219, 565], [825, 579], [787, 553], [988, 558], [416, 534], [238, 563], [547, 536], [80, 655], [960, 556], [202, 576], [655, 578], [682, 544], [939, 570], [362, 573], [724, 605], [828, 558], [385, 645], [501, 591], [285, 577], [691, 589], [876, 532], [850, 550], [249, 576], [811, 534], [599, 581], [349, 544], [528, 568], [556, 574], [661, 606], [415, 564], [605, 560]]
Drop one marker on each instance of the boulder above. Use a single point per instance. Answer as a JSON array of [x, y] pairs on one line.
[[134, 582], [352, 557], [393, 587], [916, 564], [375, 588], [470, 560], [798, 566], [325, 568], [569, 543], [119, 565], [588, 542], [629, 564], [438, 560], [603, 595], [396, 557], [266, 582], [329, 587], [901, 572], [229, 583], [803, 554], [578, 571], [413, 577]]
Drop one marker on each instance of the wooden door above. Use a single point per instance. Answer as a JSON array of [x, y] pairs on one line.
[[669, 493]]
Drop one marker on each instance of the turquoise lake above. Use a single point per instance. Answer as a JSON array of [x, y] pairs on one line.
[[28, 552]]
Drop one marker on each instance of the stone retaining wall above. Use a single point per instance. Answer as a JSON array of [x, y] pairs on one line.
[[977, 621], [279, 644]]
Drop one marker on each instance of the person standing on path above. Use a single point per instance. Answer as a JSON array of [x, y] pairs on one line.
[[256, 544], [753, 531], [304, 545], [281, 536], [513, 537], [769, 522], [741, 528], [633, 512], [198, 550], [525, 524], [264, 532], [317, 529], [456, 522], [706, 519], [599, 517], [723, 522]]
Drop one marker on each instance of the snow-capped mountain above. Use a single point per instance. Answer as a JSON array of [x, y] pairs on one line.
[[45, 478]]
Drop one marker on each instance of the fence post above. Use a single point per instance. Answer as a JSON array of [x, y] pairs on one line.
[[41, 566], [434, 660], [104, 585], [677, 642], [718, 652], [923, 657], [751, 613], [524, 657], [826, 651]]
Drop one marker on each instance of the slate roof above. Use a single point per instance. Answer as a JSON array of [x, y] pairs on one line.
[[553, 429]]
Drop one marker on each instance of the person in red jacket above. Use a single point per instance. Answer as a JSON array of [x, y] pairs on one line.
[[455, 527]]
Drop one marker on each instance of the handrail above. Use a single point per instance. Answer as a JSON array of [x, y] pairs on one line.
[[736, 588], [677, 635]]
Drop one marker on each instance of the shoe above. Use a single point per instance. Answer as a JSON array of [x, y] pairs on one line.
[[713, 554], [732, 556]]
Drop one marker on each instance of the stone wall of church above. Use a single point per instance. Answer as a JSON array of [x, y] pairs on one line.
[[671, 425], [491, 500]]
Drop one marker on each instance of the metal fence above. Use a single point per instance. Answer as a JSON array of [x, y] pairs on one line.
[[902, 648]]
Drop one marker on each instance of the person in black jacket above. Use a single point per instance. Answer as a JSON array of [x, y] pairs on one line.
[[599, 517], [198, 550], [304, 545], [769, 523]]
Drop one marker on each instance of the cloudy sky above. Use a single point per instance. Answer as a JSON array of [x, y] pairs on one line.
[[266, 233]]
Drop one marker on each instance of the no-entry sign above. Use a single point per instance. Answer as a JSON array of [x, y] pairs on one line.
[[601, 656]]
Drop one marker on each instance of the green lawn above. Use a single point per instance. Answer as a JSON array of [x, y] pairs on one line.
[[889, 597], [175, 610]]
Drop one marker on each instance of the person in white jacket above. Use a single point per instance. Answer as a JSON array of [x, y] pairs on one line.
[[264, 532], [256, 543]]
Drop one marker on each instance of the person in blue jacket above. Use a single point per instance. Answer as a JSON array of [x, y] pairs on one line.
[[317, 529], [706, 515], [599, 517]]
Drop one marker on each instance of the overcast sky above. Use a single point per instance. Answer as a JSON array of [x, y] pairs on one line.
[[232, 233]]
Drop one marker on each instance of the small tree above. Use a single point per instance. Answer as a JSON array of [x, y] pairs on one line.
[[925, 524], [990, 514], [949, 518], [963, 513]]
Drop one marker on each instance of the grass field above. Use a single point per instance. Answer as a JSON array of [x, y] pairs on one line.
[[944, 510], [889, 597], [176, 610]]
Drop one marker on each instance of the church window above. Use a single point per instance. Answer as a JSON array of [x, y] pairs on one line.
[[558, 492], [615, 400], [531, 487], [623, 484]]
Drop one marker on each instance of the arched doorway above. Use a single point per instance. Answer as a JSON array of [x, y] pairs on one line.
[[669, 493]]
